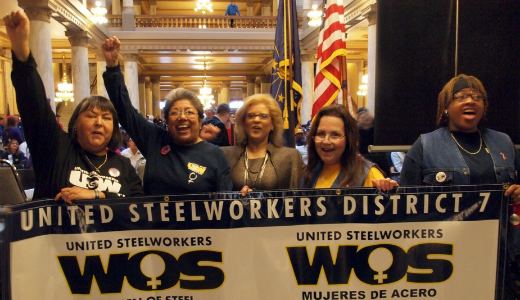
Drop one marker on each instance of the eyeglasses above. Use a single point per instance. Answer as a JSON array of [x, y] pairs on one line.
[[333, 137], [252, 116], [461, 97], [188, 113]]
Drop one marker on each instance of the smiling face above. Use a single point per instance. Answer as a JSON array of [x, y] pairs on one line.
[[94, 130], [184, 123], [258, 123], [466, 110], [330, 140]]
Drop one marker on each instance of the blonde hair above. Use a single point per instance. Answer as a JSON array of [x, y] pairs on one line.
[[276, 135]]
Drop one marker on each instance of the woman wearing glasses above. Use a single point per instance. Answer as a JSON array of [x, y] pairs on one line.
[[259, 161], [177, 159], [334, 160], [461, 151]]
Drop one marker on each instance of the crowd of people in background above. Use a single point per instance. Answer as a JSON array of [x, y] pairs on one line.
[[190, 149]]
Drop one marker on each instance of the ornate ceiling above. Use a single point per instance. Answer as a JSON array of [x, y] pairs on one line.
[[178, 55]]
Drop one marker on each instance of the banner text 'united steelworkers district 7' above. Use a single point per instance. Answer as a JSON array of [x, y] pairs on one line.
[[420, 243]]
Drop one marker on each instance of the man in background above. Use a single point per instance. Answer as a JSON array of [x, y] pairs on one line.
[[219, 121], [232, 10]]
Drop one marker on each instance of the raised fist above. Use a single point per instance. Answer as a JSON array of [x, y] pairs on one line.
[[111, 48], [17, 26]]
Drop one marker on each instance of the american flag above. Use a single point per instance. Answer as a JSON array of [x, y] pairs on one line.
[[331, 48]]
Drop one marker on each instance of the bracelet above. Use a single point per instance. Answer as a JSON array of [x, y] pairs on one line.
[[96, 194]]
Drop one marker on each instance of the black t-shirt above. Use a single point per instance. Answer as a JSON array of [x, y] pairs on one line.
[[170, 168], [57, 159], [480, 165]]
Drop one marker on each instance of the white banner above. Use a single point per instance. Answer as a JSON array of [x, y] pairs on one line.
[[452, 258]]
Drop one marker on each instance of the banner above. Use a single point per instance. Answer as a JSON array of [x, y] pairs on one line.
[[424, 243]]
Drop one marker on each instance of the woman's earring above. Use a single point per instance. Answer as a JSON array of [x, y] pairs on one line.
[[446, 112]]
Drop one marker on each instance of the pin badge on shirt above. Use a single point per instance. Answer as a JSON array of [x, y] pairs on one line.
[[440, 177], [114, 172], [504, 157], [165, 149]]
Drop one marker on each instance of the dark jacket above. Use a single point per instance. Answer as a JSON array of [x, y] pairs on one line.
[[222, 138], [18, 159]]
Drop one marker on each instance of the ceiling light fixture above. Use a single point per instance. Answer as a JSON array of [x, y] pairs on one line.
[[204, 6], [363, 87], [99, 13], [205, 92], [314, 16], [65, 88]]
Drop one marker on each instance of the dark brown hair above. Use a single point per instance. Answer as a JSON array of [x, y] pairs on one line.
[[103, 104], [351, 161], [446, 96]]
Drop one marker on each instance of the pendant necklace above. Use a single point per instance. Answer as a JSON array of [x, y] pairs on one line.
[[247, 170], [467, 151], [93, 177]]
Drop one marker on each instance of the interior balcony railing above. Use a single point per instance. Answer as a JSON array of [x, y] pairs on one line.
[[178, 21]]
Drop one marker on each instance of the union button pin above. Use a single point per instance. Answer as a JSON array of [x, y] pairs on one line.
[[514, 219], [114, 172], [440, 177]]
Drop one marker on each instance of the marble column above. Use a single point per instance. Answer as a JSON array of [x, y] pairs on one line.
[[249, 8], [265, 84], [10, 95], [149, 98], [307, 87], [128, 15], [116, 7], [101, 67], [142, 96], [40, 42], [372, 45], [153, 7], [266, 8], [79, 60], [224, 93], [156, 95], [250, 85], [131, 79], [258, 81]]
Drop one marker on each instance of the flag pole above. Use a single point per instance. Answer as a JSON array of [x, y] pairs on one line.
[[285, 51], [291, 77], [348, 102]]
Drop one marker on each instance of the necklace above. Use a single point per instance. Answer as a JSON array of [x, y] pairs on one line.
[[247, 170], [462, 148], [98, 167]]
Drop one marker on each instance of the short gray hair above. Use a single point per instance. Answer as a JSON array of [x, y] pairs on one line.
[[182, 94]]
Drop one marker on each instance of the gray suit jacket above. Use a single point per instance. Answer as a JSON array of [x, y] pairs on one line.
[[285, 166]]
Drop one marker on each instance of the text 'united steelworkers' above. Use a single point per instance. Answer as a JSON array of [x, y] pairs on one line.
[[253, 209]]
